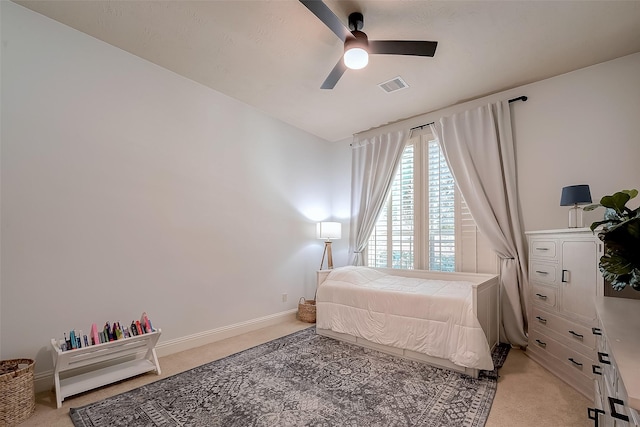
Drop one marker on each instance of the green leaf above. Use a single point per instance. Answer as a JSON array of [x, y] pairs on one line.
[[625, 233], [632, 193], [634, 281], [612, 215], [598, 223], [617, 282], [616, 202], [615, 264]]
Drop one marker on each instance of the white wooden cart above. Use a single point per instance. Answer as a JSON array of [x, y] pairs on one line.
[[90, 367]]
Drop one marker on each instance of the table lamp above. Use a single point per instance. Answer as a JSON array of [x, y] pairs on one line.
[[573, 196]]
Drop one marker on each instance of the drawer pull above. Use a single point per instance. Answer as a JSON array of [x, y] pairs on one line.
[[542, 249], [541, 296], [596, 369], [592, 413], [596, 331], [541, 343], [542, 272], [564, 280], [577, 335], [601, 358], [575, 363], [615, 414], [541, 319]]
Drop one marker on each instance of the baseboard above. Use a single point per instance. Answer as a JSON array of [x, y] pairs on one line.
[[43, 381], [165, 348]]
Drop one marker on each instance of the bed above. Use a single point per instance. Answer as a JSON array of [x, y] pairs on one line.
[[448, 320]]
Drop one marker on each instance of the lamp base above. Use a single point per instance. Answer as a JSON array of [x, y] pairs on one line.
[[575, 217], [327, 252]]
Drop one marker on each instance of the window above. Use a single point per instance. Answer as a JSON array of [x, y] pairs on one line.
[[424, 223], [392, 242], [441, 215]]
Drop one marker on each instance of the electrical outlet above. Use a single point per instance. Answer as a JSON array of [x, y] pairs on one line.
[[284, 297]]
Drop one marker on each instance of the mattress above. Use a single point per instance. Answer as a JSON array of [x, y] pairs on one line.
[[434, 317]]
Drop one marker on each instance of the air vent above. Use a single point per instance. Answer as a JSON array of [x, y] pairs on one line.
[[393, 85]]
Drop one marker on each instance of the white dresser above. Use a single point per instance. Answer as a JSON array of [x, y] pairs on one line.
[[564, 280], [617, 369]]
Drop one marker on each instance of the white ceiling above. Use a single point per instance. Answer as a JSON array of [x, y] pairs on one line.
[[274, 55]]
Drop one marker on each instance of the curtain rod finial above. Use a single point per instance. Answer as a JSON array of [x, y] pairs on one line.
[[520, 98]]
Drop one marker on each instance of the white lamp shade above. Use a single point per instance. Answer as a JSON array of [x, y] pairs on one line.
[[356, 58], [329, 230]]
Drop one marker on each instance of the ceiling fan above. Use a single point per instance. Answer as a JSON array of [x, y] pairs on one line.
[[357, 47]]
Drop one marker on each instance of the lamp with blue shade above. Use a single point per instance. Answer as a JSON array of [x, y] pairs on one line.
[[573, 196]]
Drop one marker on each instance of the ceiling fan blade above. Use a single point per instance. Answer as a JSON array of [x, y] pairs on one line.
[[334, 75], [328, 18], [402, 47]]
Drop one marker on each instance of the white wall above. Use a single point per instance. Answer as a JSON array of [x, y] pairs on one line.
[[127, 188], [340, 189], [578, 128], [581, 127]]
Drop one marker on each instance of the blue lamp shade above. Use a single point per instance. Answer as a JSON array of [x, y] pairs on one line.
[[575, 195]]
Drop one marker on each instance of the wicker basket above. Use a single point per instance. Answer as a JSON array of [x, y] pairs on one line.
[[17, 397], [307, 310]]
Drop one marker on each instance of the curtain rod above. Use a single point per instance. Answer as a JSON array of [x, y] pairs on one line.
[[520, 98]]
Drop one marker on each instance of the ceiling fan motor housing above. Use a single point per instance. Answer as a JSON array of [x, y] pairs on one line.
[[356, 21], [359, 39]]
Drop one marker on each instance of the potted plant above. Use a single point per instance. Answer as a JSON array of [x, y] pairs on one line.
[[620, 232]]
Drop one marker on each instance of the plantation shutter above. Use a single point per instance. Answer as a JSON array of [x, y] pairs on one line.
[[392, 241], [441, 214], [475, 254]]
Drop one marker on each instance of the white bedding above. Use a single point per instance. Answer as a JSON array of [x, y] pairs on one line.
[[433, 317]]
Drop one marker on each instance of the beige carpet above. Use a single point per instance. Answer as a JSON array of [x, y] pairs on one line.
[[527, 394]]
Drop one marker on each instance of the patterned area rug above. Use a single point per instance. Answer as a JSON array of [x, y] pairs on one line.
[[303, 379]]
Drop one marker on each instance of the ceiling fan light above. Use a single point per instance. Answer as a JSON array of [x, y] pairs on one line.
[[355, 51], [356, 58]]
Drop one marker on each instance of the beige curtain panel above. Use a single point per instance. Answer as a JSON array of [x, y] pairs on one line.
[[478, 146]]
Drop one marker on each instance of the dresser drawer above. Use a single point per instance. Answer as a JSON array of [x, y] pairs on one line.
[[546, 296], [543, 272], [606, 363], [574, 362], [543, 249], [545, 355], [615, 405], [599, 398], [620, 405], [575, 335], [601, 339], [635, 417]]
